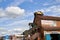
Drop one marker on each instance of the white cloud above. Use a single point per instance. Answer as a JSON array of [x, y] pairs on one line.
[[15, 10], [1, 0], [18, 27], [58, 1], [16, 2], [31, 1], [3, 31], [1, 28], [2, 12], [21, 22], [51, 2], [55, 9], [46, 4], [15, 31], [52, 10], [11, 12]]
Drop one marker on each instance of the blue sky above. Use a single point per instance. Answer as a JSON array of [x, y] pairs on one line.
[[16, 14]]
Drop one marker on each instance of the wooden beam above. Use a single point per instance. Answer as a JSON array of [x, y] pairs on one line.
[[51, 28], [48, 18]]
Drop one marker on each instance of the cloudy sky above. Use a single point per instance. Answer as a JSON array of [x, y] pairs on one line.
[[16, 14]]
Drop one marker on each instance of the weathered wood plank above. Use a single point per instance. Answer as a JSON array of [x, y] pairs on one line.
[[48, 18], [51, 28]]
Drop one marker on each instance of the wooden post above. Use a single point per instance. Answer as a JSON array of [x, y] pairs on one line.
[[37, 21]]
